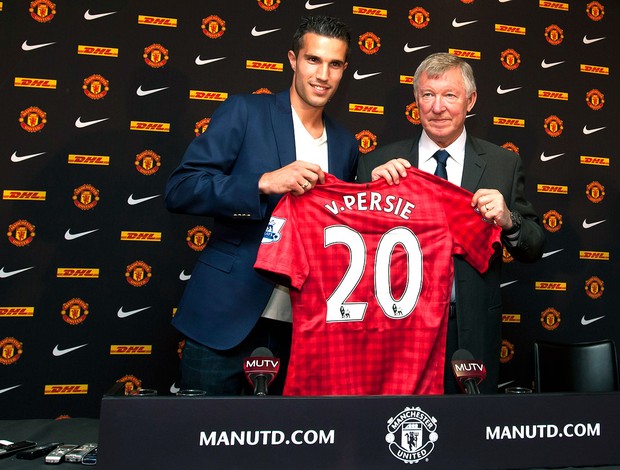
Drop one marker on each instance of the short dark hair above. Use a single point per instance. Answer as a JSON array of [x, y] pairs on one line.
[[323, 26]]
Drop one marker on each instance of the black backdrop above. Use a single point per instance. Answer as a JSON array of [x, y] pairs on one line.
[[78, 313]]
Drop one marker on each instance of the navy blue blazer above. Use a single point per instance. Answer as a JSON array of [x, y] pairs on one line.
[[248, 135]]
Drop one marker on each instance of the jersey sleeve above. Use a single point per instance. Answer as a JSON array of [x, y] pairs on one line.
[[281, 255], [475, 239]]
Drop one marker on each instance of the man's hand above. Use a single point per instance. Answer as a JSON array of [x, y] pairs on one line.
[[491, 205], [391, 171], [297, 178]]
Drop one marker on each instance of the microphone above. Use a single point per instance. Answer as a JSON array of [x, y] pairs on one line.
[[468, 372], [261, 369]]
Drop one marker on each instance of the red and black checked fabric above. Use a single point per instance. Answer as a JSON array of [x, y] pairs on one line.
[[370, 272]]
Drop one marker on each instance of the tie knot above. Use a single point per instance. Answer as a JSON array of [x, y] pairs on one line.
[[441, 156]]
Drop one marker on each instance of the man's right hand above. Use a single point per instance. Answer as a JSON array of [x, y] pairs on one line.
[[391, 171], [297, 178]]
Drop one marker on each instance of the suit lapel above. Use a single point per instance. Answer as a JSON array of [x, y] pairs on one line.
[[282, 124], [473, 166]]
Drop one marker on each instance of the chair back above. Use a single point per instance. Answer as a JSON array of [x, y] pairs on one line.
[[576, 367]]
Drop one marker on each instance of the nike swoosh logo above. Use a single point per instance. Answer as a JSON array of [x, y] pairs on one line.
[[9, 388], [90, 16], [507, 283], [503, 91], [546, 65], [551, 253], [588, 225], [174, 389], [132, 201], [32, 47], [586, 322], [16, 159], [310, 6], [81, 124], [459, 24], [362, 76], [546, 158], [590, 41], [413, 49], [587, 131], [184, 277], [141, 92], [4, 274], [200, 61], [61, 352], [72, 236], [124, 314], [256, 33]]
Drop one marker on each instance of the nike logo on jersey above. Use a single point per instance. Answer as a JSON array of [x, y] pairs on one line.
[[257, 33], [588, 225], [413, 49], [4, 274], [503, 91], [458, 24], [81, 124], [586, 322], [590, 41], [546, 65], [587, 131], [32, 47], [546, 158], [124, 314], [362, 76], [141, 92], [200, 61], [133, 201], [16, 159], [72, 236], [90, 16], [61, 352], [310, 6]]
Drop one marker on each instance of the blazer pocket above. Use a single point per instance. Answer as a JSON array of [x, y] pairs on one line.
[[218, 259]]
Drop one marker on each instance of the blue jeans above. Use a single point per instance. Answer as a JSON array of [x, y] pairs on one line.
[[220, 373]]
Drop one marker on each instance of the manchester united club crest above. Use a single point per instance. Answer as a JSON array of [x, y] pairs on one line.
[[96, 87], [510, 59], [595, 192], [201, 126], [21, 233], [369, 43], [419, 17], [366, 140], [594, 287], [213, 26], [595, 99], [42, 11], [552, 221], [155, 56], [74, 311], [413, 113], [269, 5], [10, 351], [32, 119], [550, 319], [85, 197], [147, 162], [198, 237], [412, 434], [138, 273]]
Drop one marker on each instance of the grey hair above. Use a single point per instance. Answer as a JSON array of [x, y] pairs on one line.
[[435, 65]]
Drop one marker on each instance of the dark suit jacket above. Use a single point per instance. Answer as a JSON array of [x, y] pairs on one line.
[[248, 135], [478, 296]]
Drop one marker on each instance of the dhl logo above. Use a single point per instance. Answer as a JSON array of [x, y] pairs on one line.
[[45, 83], [75, 389], [141, 236], [157, 21], [370, 12], [16, 195], [1, 5], [557, 286], [365, 108], [504, 28], [553, 5], [595, 255], [510, 122], [75, 159], [131, 349], [406, 79], [88, 273], [597, 69], [98, 51], [464, 54], [552, 188], [149, 126], [207, 95], [511, 318], [267, 66], [599, 161], [553, 95], [16, 311]]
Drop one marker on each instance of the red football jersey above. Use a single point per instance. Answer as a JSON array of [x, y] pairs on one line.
[[370, 271]]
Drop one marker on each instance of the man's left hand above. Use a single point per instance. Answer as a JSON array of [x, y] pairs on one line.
[[491, 205]]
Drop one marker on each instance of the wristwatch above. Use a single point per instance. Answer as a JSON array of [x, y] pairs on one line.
[[516, 223]]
